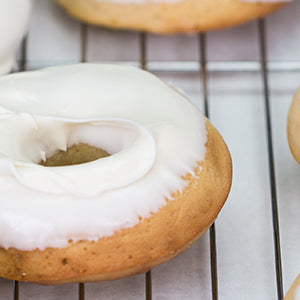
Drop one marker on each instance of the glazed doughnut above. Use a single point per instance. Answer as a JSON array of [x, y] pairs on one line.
[[164, 177], [294, 292], [169, 16], [293, 126], [14, 19]]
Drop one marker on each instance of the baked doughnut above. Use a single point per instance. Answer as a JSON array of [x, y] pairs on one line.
[[14, 19], [294, 292], [293, 126], [169, 16], [164, 182]]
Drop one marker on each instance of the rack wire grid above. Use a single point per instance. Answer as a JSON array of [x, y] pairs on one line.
[[243, 79]]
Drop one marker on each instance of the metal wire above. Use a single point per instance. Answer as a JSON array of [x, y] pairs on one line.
[[264, 71], [84, 45], [84, 41], [16, 290], [143, 65], [21, 67], [23, 57], [204, 67], [222, 66], [143, 50], [212, 232], [193, 66], [148, 279], [81, 291]]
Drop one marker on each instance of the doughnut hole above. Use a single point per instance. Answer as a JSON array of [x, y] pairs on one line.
[[76, 154]]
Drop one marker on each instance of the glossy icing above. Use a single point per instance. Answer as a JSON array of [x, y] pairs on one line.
[[14, 19], [154, 136]]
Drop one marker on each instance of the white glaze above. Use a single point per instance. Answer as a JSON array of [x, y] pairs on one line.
[[14, 19], [153, 132]]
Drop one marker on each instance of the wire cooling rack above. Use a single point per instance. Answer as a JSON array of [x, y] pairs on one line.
[[252, 250]]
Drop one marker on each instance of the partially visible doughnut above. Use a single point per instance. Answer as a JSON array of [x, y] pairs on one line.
[[167, 177], [294, 292], [293, 126], [14, 20], [169, 16]]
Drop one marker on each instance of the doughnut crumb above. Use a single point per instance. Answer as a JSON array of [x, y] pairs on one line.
[[76, 154]]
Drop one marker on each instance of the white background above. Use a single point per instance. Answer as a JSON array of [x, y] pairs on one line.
[[245, 252]]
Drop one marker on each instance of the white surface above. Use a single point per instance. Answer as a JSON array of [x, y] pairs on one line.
[[246, 268]]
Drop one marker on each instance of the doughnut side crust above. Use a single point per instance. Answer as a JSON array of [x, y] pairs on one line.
[[164, 17], [293, 127], [135, 250], [290, 294]]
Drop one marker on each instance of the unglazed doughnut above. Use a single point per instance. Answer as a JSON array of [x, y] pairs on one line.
[[169, 16], [14, 19], [164, 182], [293, 127], [294, 292]]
